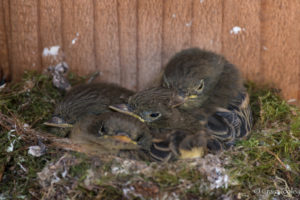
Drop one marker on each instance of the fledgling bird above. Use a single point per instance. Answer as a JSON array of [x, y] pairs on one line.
[[170, 126], [207, 81], [112, 133], [203, 79], [87, 99]]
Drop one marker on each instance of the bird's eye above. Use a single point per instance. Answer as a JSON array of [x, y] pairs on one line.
[[155, 115], [200, 86]]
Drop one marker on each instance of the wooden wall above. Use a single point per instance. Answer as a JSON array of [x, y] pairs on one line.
[[130, 40]]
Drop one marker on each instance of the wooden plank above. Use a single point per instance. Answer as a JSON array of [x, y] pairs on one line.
[[128, 42], [4, 60], [107, 40], [78, 35], [241, 36], [24, 36], [50, 28], [280, 55], [149, 41], [207, 24], [177, 23]]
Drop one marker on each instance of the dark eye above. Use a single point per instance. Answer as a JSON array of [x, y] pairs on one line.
[[154, 115], [200, 86]]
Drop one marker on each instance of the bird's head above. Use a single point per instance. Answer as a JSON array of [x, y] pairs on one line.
[[112, 131], [155, 107], [122, 127], [201, 77]]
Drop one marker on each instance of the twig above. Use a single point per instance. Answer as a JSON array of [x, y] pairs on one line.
[[282, 164]]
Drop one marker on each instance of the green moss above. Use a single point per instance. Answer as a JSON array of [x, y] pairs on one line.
[[165, 178], [267, 105], [19, 168]]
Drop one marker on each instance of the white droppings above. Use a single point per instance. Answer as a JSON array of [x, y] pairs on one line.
[[265, 48], [64, 173], [236, 30], [25, 125], [75, 39], [201, 1], [288, 167], [189, 24], [35, 151], [174, 15], [10, 148], [2, 86], [51, 51]]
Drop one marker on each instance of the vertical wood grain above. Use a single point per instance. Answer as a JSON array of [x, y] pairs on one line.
[[280, 55], [243, 47], [149, 41], [78, 35], [127, 19], [107, 40], [4, 60], [24, 36], [177, 25], [50, 26], [207, 25]]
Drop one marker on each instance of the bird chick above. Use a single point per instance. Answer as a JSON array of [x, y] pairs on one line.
[[157, 108], [208, 82], [203, 79], [87, 99], [112, 133]]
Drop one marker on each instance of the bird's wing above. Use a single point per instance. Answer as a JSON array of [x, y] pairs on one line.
[[232, 123]]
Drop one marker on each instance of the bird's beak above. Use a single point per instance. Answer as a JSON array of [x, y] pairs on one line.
[[58, 122], [64, 125], [123, 108], [178, 100], [181, 99], [123, 138], [192, 97]]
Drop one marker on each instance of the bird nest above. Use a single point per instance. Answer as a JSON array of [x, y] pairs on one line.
[[35, 164]]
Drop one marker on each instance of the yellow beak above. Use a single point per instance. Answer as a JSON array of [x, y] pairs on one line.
[[127, 112], [123, 138], [192, 97]]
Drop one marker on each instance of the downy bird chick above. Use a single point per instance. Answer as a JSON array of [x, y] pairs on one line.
[[87, 99], [207, 81], [112, 133], [170, 126], [156, 107]]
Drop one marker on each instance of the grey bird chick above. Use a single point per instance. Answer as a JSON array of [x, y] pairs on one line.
[[203, 79], [112, 133], [157, 108], [207, 81], [87, 99]]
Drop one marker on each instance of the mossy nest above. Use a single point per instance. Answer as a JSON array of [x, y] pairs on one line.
[[265, 166]]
